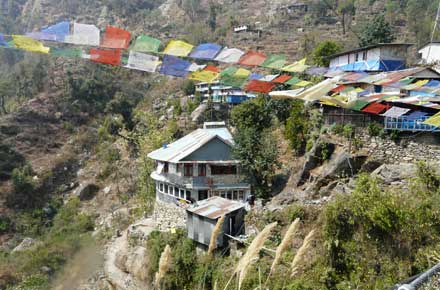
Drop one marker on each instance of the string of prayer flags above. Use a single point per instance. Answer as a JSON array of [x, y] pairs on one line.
[[141, 61], [146, 43], [259, 87], [206, 51], [66, 52], [112, 57], [204, 76], [84, 34], [275, 61], [56, 32], [116, 38], [178, 48], [252, 58], [229, 55], [299, 66], [29, 44], [174, 66], [3, 41]]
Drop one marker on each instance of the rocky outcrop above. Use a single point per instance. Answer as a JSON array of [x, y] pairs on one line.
[[168, 216], [86, 191], [395, 173], [26, 244]]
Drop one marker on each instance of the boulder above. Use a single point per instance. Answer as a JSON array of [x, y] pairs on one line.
[[121, 260], [137, 263], [86, 191], [391, 173], [26, 244]]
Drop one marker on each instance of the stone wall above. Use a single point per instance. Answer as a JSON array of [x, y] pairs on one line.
[[168, 216], [407, 150]]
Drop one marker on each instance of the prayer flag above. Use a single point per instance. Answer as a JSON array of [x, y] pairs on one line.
[[146, 44], [229, 71], [302, 84], [195, 67], [66, 52], [116, 38], [84, 34], [282, 79], [112, 57], [59, 30], [242, 73], [268, 78], [206, 51], [275, 61], [29, 44], [434, 120], [252, 58], [299, 66], [212, 68], [204, 76], [142, 61], [229, 55], [375, 108], [255, 76], [233, 81], [259, 86], [396, 112], [178, 48], [174, 66], [3, 41]]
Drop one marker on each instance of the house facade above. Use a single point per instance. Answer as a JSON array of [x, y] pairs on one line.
[[198, 166], [379, 57], [430, 53], [222, 94]]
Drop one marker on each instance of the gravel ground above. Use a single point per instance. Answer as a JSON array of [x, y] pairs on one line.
[[432, 284]]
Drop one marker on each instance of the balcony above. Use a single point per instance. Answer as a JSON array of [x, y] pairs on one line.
[[404, 124], [201, 181]]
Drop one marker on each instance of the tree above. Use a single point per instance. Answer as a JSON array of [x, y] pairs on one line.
[[323, 50], [189, 88], [297, 126], [212, 20], [345, 7], [376, 31], [255, 145]]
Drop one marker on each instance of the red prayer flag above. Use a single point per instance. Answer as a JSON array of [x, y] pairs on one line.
[[339, 89], [252, 58], [281, 79], [212, 68], [112, 57], [116, 38], [375, 108], [259, 86]]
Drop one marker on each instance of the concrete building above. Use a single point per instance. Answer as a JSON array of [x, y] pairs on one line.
[[198, 166], [202, 218], [430, 53], [222, 94], [378, 57]]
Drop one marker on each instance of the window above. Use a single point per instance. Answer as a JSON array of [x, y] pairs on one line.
[[229, 194], [182, 193], [223, 194], [357, 57], [166, 188], [188, 195], [176, 192], [165, 167], [188, 170], [364, 55], [202, 169], [223, 170], [235, 195], [241, 195], [161, 187]]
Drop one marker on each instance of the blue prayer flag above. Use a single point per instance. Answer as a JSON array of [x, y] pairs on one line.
[[3, 41], [207, 51], [174, 66]]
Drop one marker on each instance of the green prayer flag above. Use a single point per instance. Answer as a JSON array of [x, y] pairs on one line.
[[66, 52], [228, 71], [275, 61], [146, 44], [293, 81], [233, 81], [359, 105]]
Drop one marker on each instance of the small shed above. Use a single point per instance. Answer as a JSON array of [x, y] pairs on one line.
[[202, 218]]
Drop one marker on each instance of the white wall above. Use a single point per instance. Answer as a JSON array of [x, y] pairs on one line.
[[434, 55]]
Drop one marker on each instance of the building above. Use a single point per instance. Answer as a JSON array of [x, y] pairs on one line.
[[430, 53], [202, 218], [373, 58], [198, 166], [222, 94]]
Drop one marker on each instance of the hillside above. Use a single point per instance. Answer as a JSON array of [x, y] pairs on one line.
[[78, 208]]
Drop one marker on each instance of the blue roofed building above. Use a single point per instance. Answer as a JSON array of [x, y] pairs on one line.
[[373, 58], [198, 166]]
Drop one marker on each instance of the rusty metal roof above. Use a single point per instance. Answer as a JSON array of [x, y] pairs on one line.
[[214, 207]]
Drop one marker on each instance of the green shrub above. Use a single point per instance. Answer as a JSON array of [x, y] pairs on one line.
[[374, 130]]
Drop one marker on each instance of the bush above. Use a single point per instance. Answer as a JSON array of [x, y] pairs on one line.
[[374, 130], [297, 126]]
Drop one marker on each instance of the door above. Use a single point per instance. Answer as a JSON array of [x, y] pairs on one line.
[[203, 194]]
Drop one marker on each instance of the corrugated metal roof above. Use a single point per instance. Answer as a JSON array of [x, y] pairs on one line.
[[214, 207], [183, 147]]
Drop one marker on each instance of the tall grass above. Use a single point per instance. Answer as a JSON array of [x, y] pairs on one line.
[[164, 266], [215, 233], [302, 252]]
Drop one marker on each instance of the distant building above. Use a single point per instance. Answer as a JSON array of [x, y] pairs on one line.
[[294, 8], [222, 94], [243, 28], [198, 166], [430, 53], [378, 57], [202, 218]]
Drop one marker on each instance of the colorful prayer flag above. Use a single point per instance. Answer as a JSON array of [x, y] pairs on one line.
[[178, 48], [299, 66], [145, 43], [242, 73], [229, 71], [206, 51], [196, 67], [59, 30], [275, 61], [302, 84], [282, 79], [3, 41], [142, 61], [174, 66], [204, 76], [233, 81], [433, 121], [29, 44], [259, 86], [252, 58], [268, 78], [229, 55], [66, 52], [112, 57], [212, 68], [116, 38], [84, 34]]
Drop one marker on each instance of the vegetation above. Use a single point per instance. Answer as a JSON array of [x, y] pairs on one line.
[[376, 31], [322, 52]]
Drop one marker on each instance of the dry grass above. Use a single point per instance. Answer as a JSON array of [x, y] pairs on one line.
[[301, 254], [252, 253], [215, 234], [284, 245], [164, 266]]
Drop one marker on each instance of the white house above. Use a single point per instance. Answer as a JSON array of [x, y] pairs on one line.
[[198, 166], [430, 53], [378, 57]]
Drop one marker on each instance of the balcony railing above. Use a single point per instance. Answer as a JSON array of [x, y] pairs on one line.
[[205, 181], [405, 124]]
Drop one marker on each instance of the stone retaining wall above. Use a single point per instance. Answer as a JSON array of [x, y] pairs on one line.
[[168, 216]]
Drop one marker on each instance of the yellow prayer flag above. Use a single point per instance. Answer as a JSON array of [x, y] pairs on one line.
[[178, 48], [29, 44], [302, 84], [299, 66], [204, 76], [242, 73], [433, 121]]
